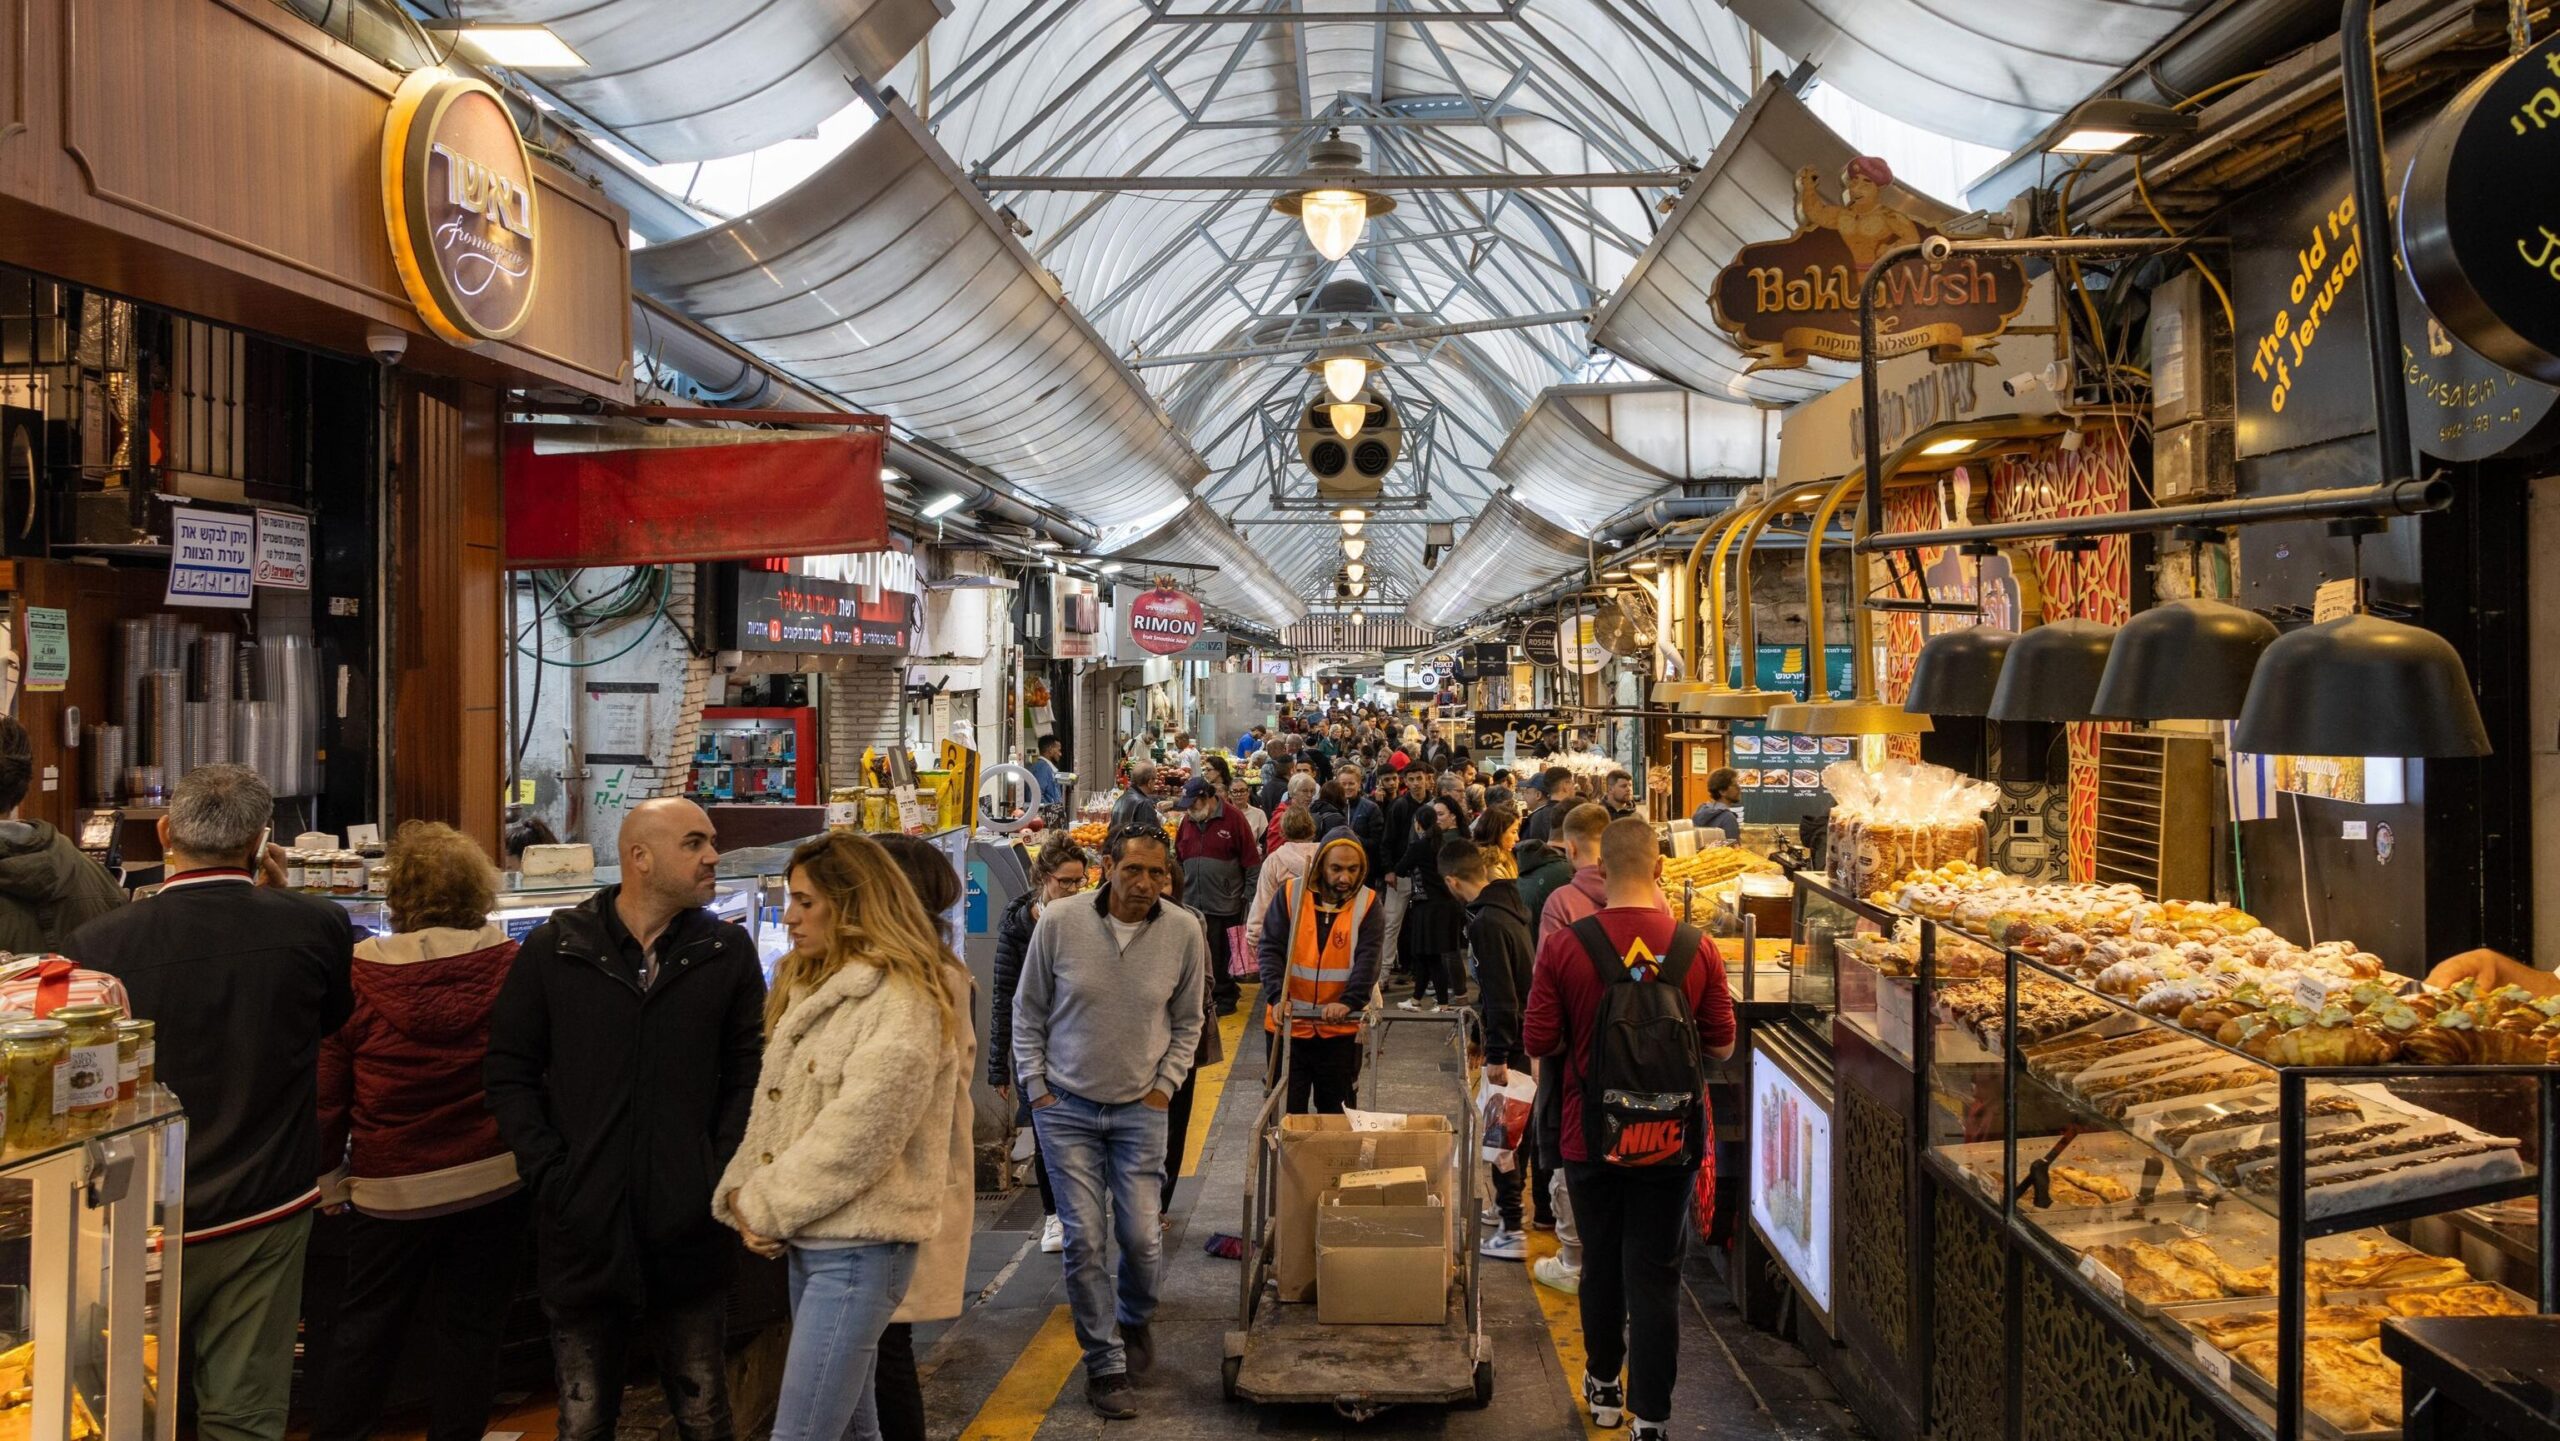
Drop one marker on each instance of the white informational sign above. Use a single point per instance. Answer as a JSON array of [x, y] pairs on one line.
[[1579, 649], [1791, 1175], [284, 550], [211, 558], [617, 722]]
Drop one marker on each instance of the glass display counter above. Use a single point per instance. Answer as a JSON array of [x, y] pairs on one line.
[[2172, 1229], [88, 1307]]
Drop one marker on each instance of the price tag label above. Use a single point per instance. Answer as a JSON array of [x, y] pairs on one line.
[[2105, 1280], [2213, 1362]]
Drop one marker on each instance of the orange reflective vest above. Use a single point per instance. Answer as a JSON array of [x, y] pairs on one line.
[[1320, 976]]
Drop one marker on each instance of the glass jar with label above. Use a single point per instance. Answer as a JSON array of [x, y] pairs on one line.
[[32, 1054], [128, 1060], [87, 1082], [346, 875], [145, 1036]]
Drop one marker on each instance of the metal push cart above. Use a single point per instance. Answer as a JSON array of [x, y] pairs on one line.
[[1281, 1353]]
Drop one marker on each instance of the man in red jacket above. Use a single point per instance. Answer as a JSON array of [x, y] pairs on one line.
[[1219, 858], [1629, 1219]]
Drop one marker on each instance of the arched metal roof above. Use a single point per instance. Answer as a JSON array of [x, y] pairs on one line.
[[1509, 551], [1995, 75], [1235, 578], [1584, 453], [887, 278], [702, 79]]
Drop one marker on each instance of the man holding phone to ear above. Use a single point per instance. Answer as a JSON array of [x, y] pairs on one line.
[[244, 980]]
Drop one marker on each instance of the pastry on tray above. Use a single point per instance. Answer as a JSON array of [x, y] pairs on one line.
[[2457, 1037], [2109, 1190], [2327, 1037], [2151, 1274], [2234, 1280], [2347, 1383], [2465, 1300], [2234, 1329], [2235, 1076]]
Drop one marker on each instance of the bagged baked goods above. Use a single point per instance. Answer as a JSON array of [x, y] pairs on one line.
[[1901, 818]]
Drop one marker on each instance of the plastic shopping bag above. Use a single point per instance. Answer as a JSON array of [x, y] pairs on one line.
[[1241, 961], [1505, 1113]]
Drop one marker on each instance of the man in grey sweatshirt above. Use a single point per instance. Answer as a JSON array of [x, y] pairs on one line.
[[1105, 1026]]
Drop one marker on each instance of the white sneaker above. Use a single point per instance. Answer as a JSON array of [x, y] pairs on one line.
[[1490, 1218], [1607, 1400], [1505, 1246], [1652, 1430], [1053, 1236], [1416, 1003], [1552, 1273]]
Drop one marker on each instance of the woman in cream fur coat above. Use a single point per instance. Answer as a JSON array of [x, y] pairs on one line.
[[847, 1159]]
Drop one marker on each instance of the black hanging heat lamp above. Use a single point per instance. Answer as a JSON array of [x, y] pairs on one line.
[[2052, 672], [1956, 673], [2186, 659], [2361, 685]]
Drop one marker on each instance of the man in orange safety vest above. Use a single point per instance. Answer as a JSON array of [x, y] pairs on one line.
[[1319, 955]]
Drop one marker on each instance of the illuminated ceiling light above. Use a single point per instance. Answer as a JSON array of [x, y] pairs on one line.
[[1348, 417], [1345, 374], [1356, 571], [2107, 127], [1351, 515], [513, 47], [1957, 446], [1645, 567], [1353, 548], [1331, 204], [941, 506], [1111, 567]]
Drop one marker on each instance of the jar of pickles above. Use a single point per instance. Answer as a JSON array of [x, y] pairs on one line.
[[135, 1063], [87, 1085], [33, 1053]]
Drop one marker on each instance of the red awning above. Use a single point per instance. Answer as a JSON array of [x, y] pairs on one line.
[[653, 495]]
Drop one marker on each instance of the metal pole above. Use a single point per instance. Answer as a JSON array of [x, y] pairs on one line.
[[1278, 184], [2373, 234], [2398, 497], [1384, 335]]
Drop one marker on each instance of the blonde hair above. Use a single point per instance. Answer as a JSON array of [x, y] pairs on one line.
[[434, 875], [878, 920]]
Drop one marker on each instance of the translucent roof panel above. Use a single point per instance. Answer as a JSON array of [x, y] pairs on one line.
[[1584, 453], [886, 279], [1991, 74], [701, 79], [1508, 552]]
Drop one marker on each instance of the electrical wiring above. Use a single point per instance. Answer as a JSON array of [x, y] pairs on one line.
[[2143, 190]]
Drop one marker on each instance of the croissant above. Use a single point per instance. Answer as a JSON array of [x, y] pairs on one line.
[[2334, 1046], [2451, 1046]]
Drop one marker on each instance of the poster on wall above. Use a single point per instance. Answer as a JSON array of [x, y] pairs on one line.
[[284, 550], [1791, 1175], [1164, 621], [211, 558], [807, 615], [1780, 772], [48, 650], [1075, 618]]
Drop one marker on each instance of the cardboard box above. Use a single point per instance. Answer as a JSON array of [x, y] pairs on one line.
[[1381, 1265], [1395, 1186], [1318, 1151]]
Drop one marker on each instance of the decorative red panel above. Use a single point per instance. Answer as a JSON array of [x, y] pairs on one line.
[[662, 505]]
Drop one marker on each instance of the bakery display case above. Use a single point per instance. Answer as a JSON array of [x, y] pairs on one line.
[[88, 1305], [2215, 1164]]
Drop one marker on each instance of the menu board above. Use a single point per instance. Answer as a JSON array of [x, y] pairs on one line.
[[1791, 1174], [1781, 771]]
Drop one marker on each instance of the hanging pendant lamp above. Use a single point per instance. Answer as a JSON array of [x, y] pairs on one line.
[[2184, 660], [1861, 714], [1698, 670], [2052, 672], [1956, 673], [2361, 686], [1331, 202]]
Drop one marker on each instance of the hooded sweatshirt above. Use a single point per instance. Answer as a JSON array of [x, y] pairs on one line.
[[1588, 895], [402, 1101], [1506, 957], [1544, 869], [48, 887], [1273, 948]]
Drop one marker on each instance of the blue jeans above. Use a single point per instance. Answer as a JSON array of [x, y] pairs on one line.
[[841, 1300], [1107, 1156]]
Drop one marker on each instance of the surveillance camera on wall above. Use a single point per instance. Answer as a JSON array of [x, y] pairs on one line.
[[2022, 383], [387, 343]]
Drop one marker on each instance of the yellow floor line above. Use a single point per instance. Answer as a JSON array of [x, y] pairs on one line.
[[1564, 1324], [1213, 1081], [1021, 1401]]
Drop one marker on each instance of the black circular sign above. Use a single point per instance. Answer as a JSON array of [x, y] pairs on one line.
[[1542, 642], [2480, 218]]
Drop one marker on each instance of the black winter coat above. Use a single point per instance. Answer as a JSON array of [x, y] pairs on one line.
[[1013, 935], [245, 983], [1498, 932], [623, 1107]]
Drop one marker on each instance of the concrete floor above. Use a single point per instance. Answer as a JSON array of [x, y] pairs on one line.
[[1007, 1370]]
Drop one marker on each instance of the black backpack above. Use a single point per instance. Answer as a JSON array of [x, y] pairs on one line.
[[1644, 1079]]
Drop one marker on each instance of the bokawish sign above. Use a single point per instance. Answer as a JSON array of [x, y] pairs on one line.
[[1164, 621], [1789, 300], [457, 192]]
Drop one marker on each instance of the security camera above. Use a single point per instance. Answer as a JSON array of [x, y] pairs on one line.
[[1937, 249], [388, 343], [2022, 383]]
